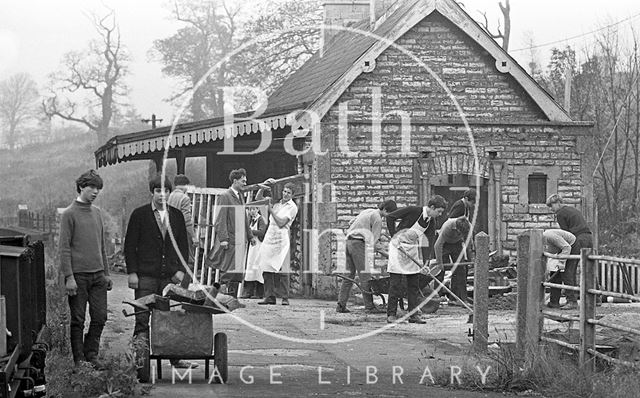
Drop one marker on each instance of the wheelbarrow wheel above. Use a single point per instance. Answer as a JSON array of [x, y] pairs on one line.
[[143, 362], [220, 357]]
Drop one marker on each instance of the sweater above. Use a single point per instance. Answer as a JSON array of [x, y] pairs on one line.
[[559, 240], [180, 200], [570, 219], [81, 245], [147, 252], [448, 234]]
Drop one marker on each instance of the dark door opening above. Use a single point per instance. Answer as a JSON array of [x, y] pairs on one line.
[[453, 189]]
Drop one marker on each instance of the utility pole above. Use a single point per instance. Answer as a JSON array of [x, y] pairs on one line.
[[153, 120], [156, 163]]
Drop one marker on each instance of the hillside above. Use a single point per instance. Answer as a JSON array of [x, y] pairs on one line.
[[42, 176]]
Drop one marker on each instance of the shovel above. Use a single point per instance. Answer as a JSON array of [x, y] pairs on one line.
[[422, 267]]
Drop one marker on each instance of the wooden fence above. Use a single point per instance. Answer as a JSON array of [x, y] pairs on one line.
[[530, 309], [204, 212], [38, 221]]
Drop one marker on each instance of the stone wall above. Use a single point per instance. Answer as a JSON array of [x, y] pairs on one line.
[[503, 120]]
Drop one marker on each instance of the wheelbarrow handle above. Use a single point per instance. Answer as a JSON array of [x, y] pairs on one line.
[[126, 314]]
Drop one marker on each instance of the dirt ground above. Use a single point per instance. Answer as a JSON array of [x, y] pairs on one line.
[[307, 349]]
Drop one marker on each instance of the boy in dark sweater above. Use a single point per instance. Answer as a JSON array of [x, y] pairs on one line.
[[570, 219], [83, 263], [153, 259]]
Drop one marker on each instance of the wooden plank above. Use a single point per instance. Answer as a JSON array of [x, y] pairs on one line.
[[210, 277], [615, 259], [284, 180], [207, 243]]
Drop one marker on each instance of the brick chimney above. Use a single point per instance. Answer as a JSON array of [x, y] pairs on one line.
[[343, 13], [349, 12]]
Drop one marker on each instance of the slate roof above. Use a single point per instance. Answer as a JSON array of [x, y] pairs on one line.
[[323, 69], [314, 80]]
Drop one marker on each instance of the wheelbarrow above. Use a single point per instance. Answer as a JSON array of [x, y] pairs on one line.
[[186, 334], [380, 286]]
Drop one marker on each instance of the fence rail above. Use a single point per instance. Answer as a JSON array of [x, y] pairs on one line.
[[532, 283], [38, 221]]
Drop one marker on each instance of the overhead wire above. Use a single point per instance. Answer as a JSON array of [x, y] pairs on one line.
[[632, 17]]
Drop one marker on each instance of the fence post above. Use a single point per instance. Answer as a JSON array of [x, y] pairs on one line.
[[481, 294], [521, 304], [530, 332], [587, 309], [535, 290]]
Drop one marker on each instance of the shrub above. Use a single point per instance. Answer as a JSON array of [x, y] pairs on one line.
[[553, 371], [118, 379]]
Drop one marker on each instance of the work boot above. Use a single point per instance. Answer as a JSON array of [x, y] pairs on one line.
[[285, 301], [367, 297], [268, 301], [248, 290], [416, 319], [342, 309]]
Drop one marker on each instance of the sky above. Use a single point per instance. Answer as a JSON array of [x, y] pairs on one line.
[[35, 34]]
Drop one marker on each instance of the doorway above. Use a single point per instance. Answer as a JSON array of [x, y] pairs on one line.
[[452, 187]]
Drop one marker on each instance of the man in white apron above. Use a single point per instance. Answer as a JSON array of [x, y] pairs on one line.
[[275, 250], [404, 249]]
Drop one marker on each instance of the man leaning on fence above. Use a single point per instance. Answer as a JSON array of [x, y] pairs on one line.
[[570, 219], [83, 263]]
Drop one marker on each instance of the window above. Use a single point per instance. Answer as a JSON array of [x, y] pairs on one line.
[[537, 188]]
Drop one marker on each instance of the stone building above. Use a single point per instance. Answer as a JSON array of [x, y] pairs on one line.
[[410, 99]]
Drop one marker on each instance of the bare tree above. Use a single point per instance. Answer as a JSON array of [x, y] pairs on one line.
[[97, 72], [210, 34], [276, 42], [505, 34], [286, 36], [18, 94]]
